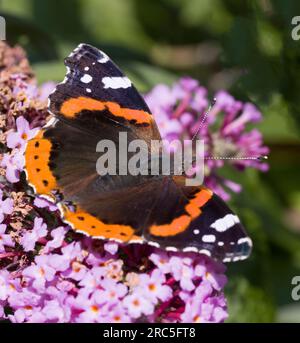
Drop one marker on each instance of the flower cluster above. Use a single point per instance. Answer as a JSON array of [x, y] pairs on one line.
[[49, 273], [181, 113]]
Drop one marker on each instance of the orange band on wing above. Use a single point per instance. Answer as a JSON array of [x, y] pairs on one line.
[[180, 224], [92, 226], [199, 200], [37, 157], [73, 106], [176, 226]]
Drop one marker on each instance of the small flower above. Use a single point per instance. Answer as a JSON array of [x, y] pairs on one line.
[[137, 305], [118, 315], [54, 312], [43, 203], [111, 247], [111, 292], [153, 286], [161, 260], [14, 163], [40, 272], [183, 272], [213, 273], [5, 239], [58, 236], [6, 206], [19, 138], [39, 230]]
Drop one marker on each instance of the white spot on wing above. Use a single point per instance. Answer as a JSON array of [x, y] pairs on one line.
[[116, 82], [86, 68], [88, 90], [104, 58], [205, 252], [154, 244], [86, 78], [209, 238], [196, 232], [171, 249], [227, 259], [190, 249], [225, 223]]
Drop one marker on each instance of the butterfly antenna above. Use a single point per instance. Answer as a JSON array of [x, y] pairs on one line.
[[236, 158], [255, 158], [203, 120]]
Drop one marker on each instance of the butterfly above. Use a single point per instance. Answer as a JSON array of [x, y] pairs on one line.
[[95, 102]]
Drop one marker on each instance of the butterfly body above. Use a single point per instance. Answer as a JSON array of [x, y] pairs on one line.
[[96, 102]]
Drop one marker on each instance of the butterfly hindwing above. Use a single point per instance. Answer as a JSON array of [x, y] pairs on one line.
[[197, 220]]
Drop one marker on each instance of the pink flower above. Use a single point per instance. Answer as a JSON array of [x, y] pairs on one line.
[[111, 247], [40, 272], [161, 260], [152, 287], [43, 203], [90, 311], [111, 292], [212, 273], [183, 272], [5, 239], [39, 230], [179, 112], [137, 305], [117, 315], [19, 138], [14, 164], [54, 312], [6, 206], [58, 236], [76, 271], [4, 284]]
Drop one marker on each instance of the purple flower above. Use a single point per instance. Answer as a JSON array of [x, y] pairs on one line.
[[161, 260], [19, 138], [44, 203], [183, 272], [58, 236], [54, 312], [111, 247], [40, 272], [117, 315], [5, 239], [6, 206], [14, 163], [111, 292], [39, 230], [179, 112], [213, 273], [152, 286], [45, 90], [136, 305]]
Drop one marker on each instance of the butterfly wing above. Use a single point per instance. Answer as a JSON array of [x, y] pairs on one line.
[[95, 90], [94, 103], [197, 220]]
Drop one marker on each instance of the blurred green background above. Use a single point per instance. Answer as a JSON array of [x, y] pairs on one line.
[[243, 46]]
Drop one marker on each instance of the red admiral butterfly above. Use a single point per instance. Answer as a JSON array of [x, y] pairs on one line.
[[95, 102]]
